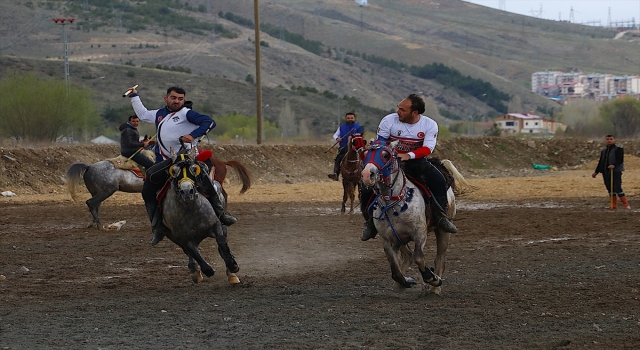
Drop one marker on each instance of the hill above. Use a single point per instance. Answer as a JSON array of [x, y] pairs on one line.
[[500, 48]]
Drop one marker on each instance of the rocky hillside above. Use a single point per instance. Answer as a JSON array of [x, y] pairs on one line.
[[42, 169]]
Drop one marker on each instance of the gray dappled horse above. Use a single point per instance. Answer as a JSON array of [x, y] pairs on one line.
[[400, 216], [103, 179], [351, 170], [190, 218]]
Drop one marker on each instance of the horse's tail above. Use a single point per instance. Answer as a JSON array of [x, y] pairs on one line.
[[243, 174], [460, 184], [73, 176]]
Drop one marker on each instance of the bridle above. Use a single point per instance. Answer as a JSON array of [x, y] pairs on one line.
[[184, 172], [384, 158]]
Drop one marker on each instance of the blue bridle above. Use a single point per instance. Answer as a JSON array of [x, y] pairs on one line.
[[382, 157]]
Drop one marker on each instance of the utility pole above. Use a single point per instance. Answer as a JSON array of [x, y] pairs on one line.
[[256, 15], [63, 22]]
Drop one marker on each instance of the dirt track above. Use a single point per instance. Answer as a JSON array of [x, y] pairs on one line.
[[541, 267]]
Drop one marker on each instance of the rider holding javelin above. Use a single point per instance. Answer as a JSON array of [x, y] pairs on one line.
[[416, 136], [346, 129], [174, 122]]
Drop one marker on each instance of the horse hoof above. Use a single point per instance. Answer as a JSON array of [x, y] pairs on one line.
[[233, 279], [409, 282], [196, 276]]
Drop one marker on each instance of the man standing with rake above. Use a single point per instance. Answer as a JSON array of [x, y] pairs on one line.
[[611, 165]]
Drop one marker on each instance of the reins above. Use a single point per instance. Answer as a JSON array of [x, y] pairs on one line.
[[388, 202]]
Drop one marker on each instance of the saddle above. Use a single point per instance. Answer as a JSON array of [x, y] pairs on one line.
[[124, 163]]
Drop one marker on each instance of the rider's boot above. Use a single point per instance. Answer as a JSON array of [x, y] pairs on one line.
[[157, 226], [369, 230], [336, 170], [440, 215], [207, 186]]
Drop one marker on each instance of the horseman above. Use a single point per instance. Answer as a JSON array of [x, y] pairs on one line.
[[416, 135], [350, 127], [130, 144], [174, 122]]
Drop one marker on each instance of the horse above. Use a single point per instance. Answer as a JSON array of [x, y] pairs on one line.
[[401, 215], [351, 170], [104, 178], [190, 218]]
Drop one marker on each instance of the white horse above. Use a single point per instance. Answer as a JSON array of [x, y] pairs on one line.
[[401, 216]]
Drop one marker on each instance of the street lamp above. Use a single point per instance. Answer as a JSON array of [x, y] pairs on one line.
[[63, 22]]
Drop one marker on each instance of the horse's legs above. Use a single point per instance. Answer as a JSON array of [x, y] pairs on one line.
[[193, 252], [94, 206], [352, 195], [418, 256], [345, 194], [442, 242], [196, 275], [223, 249], [397, 275]]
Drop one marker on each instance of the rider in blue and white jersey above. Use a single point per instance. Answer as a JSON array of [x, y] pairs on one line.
[[174, 122]]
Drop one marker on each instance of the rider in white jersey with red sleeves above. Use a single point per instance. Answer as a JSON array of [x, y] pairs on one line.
[[418, 140], [417, 136]]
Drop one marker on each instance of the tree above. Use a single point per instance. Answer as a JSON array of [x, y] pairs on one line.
[[287, 122], [35, 108], [582, 117], [624, 114], [515, 105]]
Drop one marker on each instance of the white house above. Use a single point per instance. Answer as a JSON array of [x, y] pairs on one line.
[[512, 123]]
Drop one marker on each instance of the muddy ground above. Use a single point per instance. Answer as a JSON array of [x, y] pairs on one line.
[[537, 264]]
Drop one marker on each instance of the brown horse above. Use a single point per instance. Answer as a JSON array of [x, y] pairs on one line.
[[219, 170], [103, 179], [351, 170]]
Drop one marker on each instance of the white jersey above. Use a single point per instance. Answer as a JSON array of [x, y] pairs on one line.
[[171, 128], [410, 137]]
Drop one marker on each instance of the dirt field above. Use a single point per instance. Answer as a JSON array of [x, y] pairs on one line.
[[537, 264]]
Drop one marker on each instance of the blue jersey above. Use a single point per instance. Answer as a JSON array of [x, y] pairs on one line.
[[345, 130]]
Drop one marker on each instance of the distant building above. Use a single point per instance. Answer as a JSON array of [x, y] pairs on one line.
[[103, 140], [527, 123], [559, 86]]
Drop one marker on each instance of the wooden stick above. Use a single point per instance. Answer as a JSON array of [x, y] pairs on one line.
[[611, 198], [141, 148]]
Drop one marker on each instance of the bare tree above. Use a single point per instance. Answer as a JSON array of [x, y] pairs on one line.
[[286, 122]]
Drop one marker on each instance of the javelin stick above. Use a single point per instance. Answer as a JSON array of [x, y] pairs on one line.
[[350, 132], [128, 92], [331, 147], [612, 200], [141, 148]]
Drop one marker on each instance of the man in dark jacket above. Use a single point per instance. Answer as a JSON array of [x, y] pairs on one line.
[[130, 142], [611, 165]]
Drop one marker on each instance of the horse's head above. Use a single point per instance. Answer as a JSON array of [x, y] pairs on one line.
[[184, 171], [358, 143], [379, 163]]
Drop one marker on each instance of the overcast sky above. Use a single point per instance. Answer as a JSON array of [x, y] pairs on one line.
[[583, 10]]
